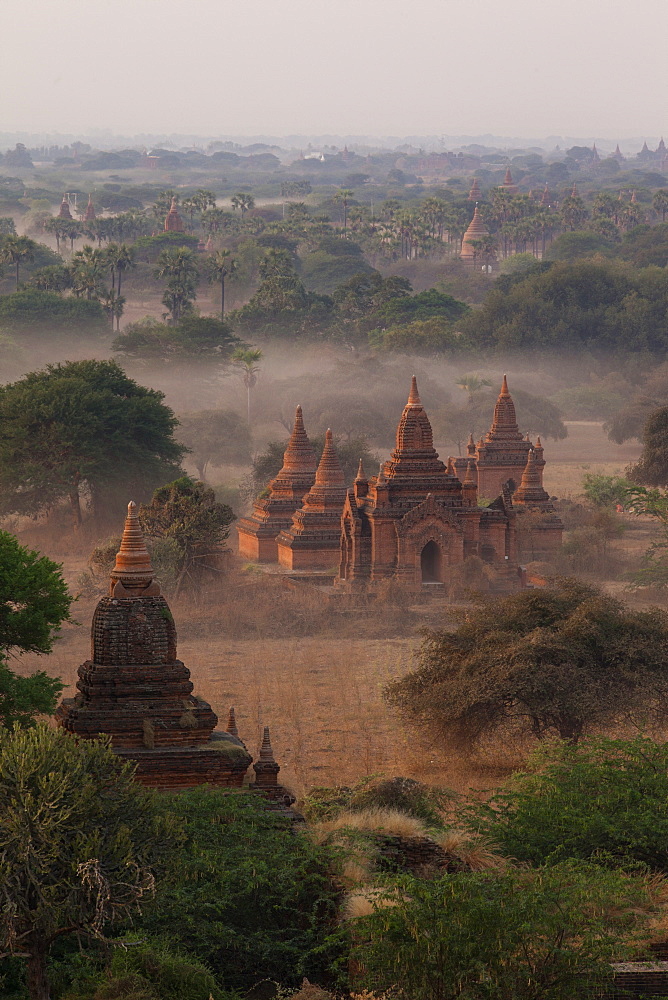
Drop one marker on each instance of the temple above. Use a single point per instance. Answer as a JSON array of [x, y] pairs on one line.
[[137, 692], [475, 231], [89, 214], [417, 518], [475, 194], [313, 538], [173, 221], [508, 183], [273, 513], [64, 210]]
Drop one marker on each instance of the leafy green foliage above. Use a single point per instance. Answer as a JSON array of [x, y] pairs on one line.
[[564, 659], [34, 601], [192, 336], [186, 514], [604, 491], [245, 893], [652, 466], [546, 934], [78, 841], [604, 799], [426, 336], [593, 304], [34, 310], [82, 426]]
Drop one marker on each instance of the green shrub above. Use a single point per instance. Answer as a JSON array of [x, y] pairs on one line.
[[34, 310]]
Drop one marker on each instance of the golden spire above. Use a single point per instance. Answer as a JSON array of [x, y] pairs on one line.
[[133, 568], [360, 477]]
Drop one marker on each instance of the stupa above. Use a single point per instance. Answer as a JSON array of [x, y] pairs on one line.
[[475, 231], [508, 183], [273, 513], [89, 214], [475, 193], [312, 539], [501, 456], [547, 528], [545, 197], [173, 221], [64, 211], [134, 689]]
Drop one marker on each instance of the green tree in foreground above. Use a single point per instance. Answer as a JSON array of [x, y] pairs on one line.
[[566, 659], [16, 250], [546, 934], [82, 428], [34, 602], [186, 515], [245, 893], [78, 841], [546, 815]]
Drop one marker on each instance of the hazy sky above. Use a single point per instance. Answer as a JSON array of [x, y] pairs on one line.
[[399, 67]]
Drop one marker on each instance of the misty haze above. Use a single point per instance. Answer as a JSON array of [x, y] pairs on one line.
[[333, 500]]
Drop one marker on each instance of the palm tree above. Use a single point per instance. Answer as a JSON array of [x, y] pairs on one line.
[[119, 257], [113, 306], [247, 361], [15, 250], [660, 203], [220, 266], [242, 201], [344, 196], [178, 265], [88, 267]]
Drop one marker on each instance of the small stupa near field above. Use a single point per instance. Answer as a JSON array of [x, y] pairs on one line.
[[136, 691], [476, 230]]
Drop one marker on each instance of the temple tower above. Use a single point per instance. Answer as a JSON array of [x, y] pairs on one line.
[[173, 221], [508, 183], [134, 689], [273, 513], [475, 231], [312, 539], [502, 454], [545, 528], [545, 197], [89, 214], [475, 193], [64, 210]]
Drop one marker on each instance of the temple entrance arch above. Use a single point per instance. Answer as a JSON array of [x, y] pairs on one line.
[[431, 563]]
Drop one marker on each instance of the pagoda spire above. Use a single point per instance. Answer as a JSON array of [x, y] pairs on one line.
[[89, 214], [266, 769], [414, 395], [232, 723], [299, 455], [64, 212], [329, 471], [360, 477], [132, 572], [504, 424], [476, 230]]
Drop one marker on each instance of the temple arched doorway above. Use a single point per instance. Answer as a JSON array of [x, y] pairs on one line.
[[431, 563]]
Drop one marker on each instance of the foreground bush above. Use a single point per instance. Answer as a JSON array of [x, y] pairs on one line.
[[604, 798], [547, 934], [246, 894]]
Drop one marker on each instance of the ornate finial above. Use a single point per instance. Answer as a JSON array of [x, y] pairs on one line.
[[360, 477], [413, 395], [232, 723], [266, 752], [470, 473], [538, 444], [381, 473], [504, 387], [133, 570]]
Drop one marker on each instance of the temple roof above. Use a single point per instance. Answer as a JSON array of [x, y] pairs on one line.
[[299, 457], [530, 491], [173, 221], [504, 425], [64, 212], [89, 214]]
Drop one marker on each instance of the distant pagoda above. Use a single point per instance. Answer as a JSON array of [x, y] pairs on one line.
[[475, 193], [64, 210], [508, 183], [475, 231], [173, 221], [89, 214]]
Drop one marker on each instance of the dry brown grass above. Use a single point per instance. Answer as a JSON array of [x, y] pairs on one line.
[[376, 820], [471, 851]]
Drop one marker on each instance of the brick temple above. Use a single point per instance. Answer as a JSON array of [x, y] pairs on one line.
[[136, 691], [418, 517]]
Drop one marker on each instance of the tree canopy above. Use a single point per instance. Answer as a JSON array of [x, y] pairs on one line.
[[82, 429], [566, 659], [79, 841]]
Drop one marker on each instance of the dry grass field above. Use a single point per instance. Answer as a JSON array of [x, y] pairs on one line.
[[315, 671]]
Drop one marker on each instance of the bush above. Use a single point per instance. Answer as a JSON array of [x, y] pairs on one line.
[[244, 893], [605, 491], [602, 799], [429, 336], [32, 310], [193, 336]]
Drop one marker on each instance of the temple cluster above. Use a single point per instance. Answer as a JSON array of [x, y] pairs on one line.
[[413, 520]]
